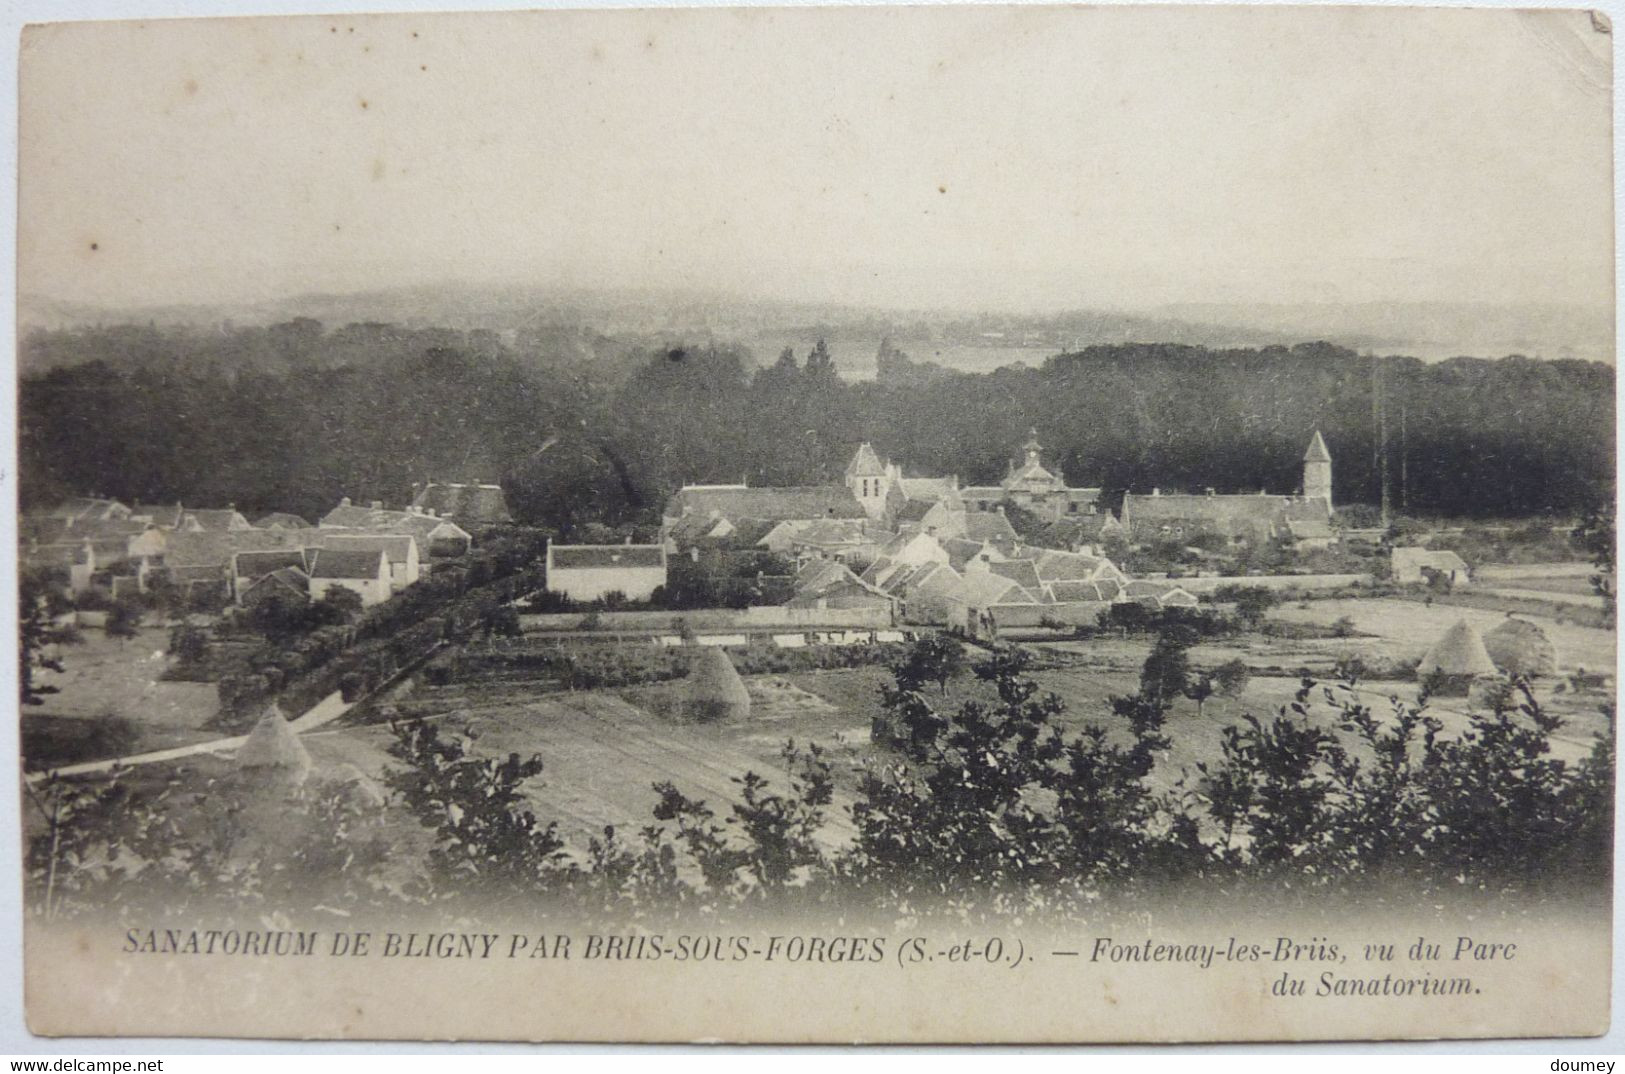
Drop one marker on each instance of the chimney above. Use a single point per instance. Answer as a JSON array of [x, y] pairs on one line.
[[378, 505], [1156, 492], [628, 539], [1210, 491], [999, 508], [930, 531], [345, 502]]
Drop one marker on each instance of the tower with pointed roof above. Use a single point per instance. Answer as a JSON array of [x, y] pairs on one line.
[[1031, 476], [868, 479], [1317, 471]]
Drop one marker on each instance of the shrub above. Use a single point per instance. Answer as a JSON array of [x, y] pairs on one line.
[[1231, 677]]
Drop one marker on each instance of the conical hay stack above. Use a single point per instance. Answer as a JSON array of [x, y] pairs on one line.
[[1519, 647], [1459, 652], [715, 691], [358, 788], [273, 749]]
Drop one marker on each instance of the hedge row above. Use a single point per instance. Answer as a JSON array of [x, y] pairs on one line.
[[451, 603], [613, 666]]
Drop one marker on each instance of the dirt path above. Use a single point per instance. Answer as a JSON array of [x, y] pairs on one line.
[[317, 717]]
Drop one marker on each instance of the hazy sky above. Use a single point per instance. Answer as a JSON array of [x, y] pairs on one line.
[[991, 157]]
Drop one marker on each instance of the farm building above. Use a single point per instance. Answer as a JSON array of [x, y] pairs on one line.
[[928, 593], [984, 601], [281, 520], [193, 556], [587, 572], [734, 502], [1302, 519], [826, 583], [365, 573], [1418, 566], [845, 539], [286, 584], [466, 504], [212, 520], [437, 537], [249, 567], [401, 548]]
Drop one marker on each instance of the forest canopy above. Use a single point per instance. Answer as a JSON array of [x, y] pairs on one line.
[[292, 417]]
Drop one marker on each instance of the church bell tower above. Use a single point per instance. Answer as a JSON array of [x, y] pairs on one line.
[[1317, 471]]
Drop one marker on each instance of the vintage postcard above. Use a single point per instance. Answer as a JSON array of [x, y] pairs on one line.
[[917, 524]]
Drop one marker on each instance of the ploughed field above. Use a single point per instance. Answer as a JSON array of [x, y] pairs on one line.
[[604, 750]]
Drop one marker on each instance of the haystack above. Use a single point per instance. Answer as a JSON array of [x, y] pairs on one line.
[[357, 788], [273, 751], [715, 691], [1459, 653], [1519, 647]]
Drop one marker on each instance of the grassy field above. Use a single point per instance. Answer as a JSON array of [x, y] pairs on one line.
[[1405, 629], [606, 749], [102, 677]]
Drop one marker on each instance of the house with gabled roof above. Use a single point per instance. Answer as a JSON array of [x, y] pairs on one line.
[[962, 552], [213, 520], [166, 516], [248, 568], [807, 503], [944, 517], [282, 584], [192, 556], [1251, 518], [1158, 594], [990, 526], [437, 538], [1412, 565], [981, 596], [281, 520], [401, 548], [465, 504], [1021, 571], [1080, 532], [363, 572], [1055, 566], [845, 539], [827, 583], [78, 509], [928, 596], [587, 572]]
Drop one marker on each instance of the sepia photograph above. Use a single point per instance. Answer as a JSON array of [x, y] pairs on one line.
[[860, 524]]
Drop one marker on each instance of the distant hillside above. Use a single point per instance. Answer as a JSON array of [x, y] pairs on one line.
[[1428, 330], [960, 341]]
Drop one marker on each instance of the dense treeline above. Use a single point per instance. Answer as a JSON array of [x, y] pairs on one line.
[[292, 417]]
